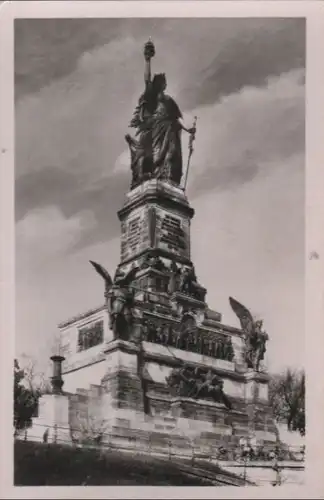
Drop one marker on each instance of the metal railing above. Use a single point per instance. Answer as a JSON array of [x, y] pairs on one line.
[[232, 457], [166, 446]]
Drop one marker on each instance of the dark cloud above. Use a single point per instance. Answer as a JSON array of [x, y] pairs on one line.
[[48, 49], [246, 51], [73, 194], [104, 200], [50, 186], [269, 47], [69, 135], [226, 177]]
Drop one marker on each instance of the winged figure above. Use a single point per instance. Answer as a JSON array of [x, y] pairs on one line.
[[243, 314], [255, 338], [104, 274], [119, 298]]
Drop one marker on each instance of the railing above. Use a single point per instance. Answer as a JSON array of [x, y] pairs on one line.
[[166, 447], [232, 459]]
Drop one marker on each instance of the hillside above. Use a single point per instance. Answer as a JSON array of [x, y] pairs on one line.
[[38, 464]]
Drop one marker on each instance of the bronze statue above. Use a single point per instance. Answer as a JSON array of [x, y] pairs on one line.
[[156, 150], [119, 299], [182, 380], [188, 284], [255, 338], [174, 278], [210, 385], [194, 383], [187, 278], [228, 350]]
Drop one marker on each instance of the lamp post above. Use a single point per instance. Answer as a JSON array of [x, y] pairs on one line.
[[56, 380]]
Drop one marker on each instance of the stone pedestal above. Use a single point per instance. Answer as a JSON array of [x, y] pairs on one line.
[[52, 424], [198, 416], [256, 386], [261, 421], [123, 398]]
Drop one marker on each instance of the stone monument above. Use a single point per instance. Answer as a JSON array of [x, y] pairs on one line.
[[154, 360]]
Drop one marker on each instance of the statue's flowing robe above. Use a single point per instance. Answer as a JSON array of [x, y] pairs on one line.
[[159, 135], [166, 140]]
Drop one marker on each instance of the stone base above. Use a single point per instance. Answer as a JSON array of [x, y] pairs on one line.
[[52, 424], [122, 383], [199, 410]]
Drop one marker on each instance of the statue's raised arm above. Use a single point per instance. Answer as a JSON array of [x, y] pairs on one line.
[[149, 52], [156, 148]]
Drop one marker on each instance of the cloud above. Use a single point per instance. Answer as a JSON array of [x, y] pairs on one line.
[[252, 130], [45, 233], [49, 294], [122, 163], [236, 137], [48, 49], [70, 148], [249, 243], [75, 100], [231, 53], [254, 50]]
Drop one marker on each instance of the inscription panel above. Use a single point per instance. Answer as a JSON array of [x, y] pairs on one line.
[[172, 233], [134, 235]]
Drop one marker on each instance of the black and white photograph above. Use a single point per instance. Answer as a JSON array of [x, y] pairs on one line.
[[160, 250]]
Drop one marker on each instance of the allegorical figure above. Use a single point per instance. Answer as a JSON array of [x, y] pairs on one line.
[[255, 337], [119, 299], [156, 151], [193, 383]]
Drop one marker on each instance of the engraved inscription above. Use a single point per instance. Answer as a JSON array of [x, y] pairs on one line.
[[171, 235], [135, 236]]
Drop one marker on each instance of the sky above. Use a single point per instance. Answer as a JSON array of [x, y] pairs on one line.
[[76, 84]]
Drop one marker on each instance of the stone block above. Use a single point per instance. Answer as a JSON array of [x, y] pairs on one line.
[[198, 410]]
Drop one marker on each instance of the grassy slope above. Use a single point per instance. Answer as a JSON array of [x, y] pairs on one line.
[[48, 464]]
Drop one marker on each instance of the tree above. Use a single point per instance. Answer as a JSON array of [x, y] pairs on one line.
[[88, 430], [34, 379], [27, 391], [287, 397]]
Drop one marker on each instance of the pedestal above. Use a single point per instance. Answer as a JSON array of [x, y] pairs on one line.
[[261, 420], [200, 416], [123, 399], [52, 424]]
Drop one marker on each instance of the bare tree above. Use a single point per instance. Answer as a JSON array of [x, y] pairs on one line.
[[287, 397], [35, 379], [88, 430]]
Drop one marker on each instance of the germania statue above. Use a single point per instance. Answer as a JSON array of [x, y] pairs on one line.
[[156, 148]]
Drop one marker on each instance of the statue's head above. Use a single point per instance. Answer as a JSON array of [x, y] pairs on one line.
[[159, 82]]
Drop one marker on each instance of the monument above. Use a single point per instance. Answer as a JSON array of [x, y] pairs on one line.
[[154, 361]]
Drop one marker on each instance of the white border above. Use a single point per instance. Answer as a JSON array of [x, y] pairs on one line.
[[313, 11]]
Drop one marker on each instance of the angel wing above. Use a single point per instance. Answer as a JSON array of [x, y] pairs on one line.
[[128, 278], [243, 314], [103, 273]]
